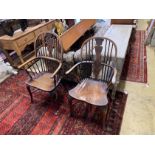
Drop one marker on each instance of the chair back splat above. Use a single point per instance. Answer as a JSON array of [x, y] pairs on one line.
[[48, 44], [99, 50]]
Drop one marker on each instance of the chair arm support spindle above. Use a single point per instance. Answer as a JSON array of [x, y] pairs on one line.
[[114, 76]]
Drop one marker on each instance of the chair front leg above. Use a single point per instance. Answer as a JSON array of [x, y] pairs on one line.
[[91, 112], [29, 90], [105, 113], [70, 105], [87, 110]]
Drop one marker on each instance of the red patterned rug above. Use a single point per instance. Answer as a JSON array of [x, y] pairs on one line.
[[135, 66], [19, 117]]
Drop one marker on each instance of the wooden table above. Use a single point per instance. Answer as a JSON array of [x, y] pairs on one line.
[[120, 34], [21, 39], [70, 36], [123, 21]]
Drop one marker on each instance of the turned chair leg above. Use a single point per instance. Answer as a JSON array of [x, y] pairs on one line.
[[105, 116], [70, 105], [29, 90], [86, 111], [54, 95], [104, 121], [108, 109], [91, 112]]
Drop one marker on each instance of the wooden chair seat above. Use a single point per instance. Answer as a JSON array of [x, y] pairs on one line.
[[91, 91], [43, 82]]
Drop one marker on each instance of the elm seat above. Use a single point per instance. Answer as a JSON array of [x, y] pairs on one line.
[[90, 91], [44, 82]]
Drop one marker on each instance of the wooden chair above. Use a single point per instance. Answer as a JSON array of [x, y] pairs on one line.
[[95, 72], [45, 69]]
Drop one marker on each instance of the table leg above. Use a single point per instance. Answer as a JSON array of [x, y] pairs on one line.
[[19, 53], [8, 57], [20, 57]]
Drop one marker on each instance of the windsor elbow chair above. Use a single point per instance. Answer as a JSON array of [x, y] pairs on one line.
[[96, 61], [45, 69]]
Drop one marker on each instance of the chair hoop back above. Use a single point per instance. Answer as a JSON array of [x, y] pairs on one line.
[[102, 52], [96, 48], [48, 44]]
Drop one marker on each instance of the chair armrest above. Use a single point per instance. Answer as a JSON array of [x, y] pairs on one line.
[[56, 71], [31, 60], [53, 59], [49, 58], [114, 76], [77, 64], [27, 62]]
